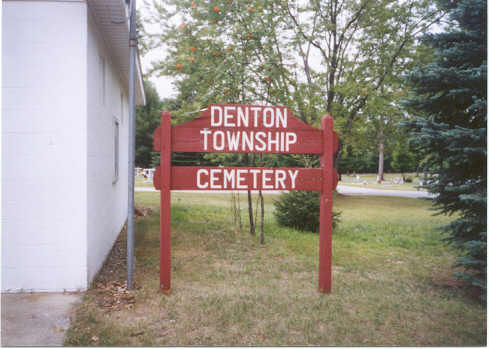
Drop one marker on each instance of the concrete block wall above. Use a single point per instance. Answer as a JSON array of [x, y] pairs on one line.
[[44, 163], [61, 208], [107, 198]]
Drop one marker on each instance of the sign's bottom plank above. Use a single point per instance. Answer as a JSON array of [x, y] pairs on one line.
[[245, 178]]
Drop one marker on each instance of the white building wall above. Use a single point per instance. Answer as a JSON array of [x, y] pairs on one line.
[[107, 199], [44, 146]]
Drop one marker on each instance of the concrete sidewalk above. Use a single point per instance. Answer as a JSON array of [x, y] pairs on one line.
[[36, 319]]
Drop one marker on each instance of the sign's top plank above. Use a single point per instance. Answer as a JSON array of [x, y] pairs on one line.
[[273, 118]]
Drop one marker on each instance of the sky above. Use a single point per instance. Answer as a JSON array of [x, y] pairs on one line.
[[163, 84]]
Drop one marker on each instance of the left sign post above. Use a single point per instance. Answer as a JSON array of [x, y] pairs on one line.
[[162, 181]]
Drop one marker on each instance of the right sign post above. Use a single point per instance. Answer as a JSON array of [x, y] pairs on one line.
[[247, 129], [329, 180]]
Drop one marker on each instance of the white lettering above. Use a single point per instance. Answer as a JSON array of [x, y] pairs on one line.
[[280, 176], [269, 111], [221, 145], [255, 177], [227, 117], [233, 140], [215, 178], [213, 114], [273, 141], [228, 178], [259, 138], [199, 181], [291, 139], [205, 132], [247, 141], [293, 175], [243, 119], [265, 178], [255, 111], [281, 118], [244, 140], [240, 179], [232, 178]]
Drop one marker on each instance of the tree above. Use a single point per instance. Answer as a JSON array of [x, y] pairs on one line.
[[364, 46], [403, 159], [262, 52], [382, 116], [451, 91], [147, 119]]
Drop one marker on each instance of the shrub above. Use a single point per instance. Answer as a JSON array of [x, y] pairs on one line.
[[409, 179], [300, 210]]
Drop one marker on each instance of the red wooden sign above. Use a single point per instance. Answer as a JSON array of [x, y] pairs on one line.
[[244, 178], [247, 129]]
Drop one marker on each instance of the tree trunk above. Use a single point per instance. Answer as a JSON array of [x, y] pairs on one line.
[[250, 213], [262, 207], [250, 202], [262, 227], [380, 174], [336, 160]]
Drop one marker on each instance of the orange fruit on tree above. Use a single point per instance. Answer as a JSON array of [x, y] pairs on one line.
[[267, 79], [179, 67], [251, 9], [192, 49], [250, 36], [216, 54], [216, 8]]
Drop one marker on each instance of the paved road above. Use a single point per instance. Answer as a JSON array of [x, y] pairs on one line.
[[342, 189], [347, 190]]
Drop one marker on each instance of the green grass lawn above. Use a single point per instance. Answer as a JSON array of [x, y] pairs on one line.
[[389, 181], [392, 282]]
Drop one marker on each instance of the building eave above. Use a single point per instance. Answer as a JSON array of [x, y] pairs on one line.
[[111, 18]]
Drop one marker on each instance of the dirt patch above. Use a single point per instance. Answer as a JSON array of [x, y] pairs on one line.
[[115, 264], [114, 296], [450, 281], [114, 267], [142, 211], [110, 285]]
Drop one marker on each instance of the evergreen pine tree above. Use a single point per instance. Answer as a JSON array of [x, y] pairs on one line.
[[451, 92]]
